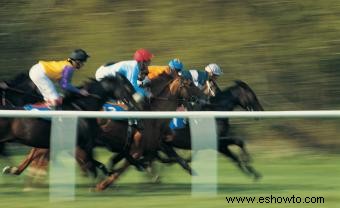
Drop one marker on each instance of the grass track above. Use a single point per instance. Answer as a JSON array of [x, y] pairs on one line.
[[301, 175]]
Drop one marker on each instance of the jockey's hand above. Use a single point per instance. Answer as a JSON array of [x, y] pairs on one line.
[[84, 92], [146, 82], [3, 85]]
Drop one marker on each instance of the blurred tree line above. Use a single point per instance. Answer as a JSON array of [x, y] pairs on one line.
[[288, 51]]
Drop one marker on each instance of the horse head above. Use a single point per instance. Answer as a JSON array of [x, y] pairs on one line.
[[169, 90], [239, 94]]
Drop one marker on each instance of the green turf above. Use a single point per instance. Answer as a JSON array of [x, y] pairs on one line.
[[304, 174]]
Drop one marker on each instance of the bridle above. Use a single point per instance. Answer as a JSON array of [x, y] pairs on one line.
[[178, 98]]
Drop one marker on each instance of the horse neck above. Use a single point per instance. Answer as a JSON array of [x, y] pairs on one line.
[[94, 102], [160, 83], [224, 100], [167, 99]]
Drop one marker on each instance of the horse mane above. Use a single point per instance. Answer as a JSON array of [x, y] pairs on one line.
[[175, 84], [245, 86], [160, 82]]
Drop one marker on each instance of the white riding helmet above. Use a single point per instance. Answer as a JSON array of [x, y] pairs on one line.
[[214, 69]]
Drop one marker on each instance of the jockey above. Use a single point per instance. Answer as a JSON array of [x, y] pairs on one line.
[[44, 73], [174, 67], [204, 79], [134, 70]]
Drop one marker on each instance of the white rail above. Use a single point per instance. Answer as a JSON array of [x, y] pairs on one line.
[[201, 123], [171, 114]]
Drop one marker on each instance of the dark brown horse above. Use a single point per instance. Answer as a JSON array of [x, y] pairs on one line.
[[168, 93], [18, 91], [238, 95], [35, 132]]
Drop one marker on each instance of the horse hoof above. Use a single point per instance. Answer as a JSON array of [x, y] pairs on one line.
[[9, 170], [6, 170]]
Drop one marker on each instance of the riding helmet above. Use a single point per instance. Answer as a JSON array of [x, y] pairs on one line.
[[79, 55]]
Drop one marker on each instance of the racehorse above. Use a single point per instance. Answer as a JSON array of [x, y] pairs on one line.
[[35, 132], [228, 99], [169, 92], [19, 90]]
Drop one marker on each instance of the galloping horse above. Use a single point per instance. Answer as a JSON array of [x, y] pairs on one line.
[[228, 99], [20, 91], [35, 132], [168, 93]]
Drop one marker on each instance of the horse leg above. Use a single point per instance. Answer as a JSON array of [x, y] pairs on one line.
[[243, 164], [33, 154], [86, 164], [101, 186], [37, 173], [115, 159], [134, 153], [101, 166], [128, 152], [172, 154]]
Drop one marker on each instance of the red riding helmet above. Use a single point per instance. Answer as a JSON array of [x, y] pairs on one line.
[[142, 55]]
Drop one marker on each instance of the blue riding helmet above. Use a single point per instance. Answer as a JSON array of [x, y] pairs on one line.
[[176, 64]]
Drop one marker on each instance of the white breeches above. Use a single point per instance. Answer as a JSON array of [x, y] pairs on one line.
[[104, 71], [44, 84]]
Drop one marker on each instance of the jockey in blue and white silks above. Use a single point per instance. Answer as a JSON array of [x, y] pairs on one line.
[[199, 78], [128, 69], [204, 79], [133, 70]]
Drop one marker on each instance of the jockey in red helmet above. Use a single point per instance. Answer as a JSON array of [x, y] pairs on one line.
[[134, 70]]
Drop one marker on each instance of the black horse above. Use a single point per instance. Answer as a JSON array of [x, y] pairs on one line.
[[238, 95], [35, 132]]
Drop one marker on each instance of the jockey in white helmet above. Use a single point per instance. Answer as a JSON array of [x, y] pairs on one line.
[[204, 79]]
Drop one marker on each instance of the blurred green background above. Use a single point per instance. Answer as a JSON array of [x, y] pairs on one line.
[[287, 51]]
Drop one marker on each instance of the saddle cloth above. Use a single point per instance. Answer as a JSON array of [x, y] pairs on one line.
[[108, 106], [37, 107]]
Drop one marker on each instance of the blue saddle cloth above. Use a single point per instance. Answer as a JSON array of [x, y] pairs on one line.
[[113, 107], [37, 107], [43, 107], [178, 123]]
